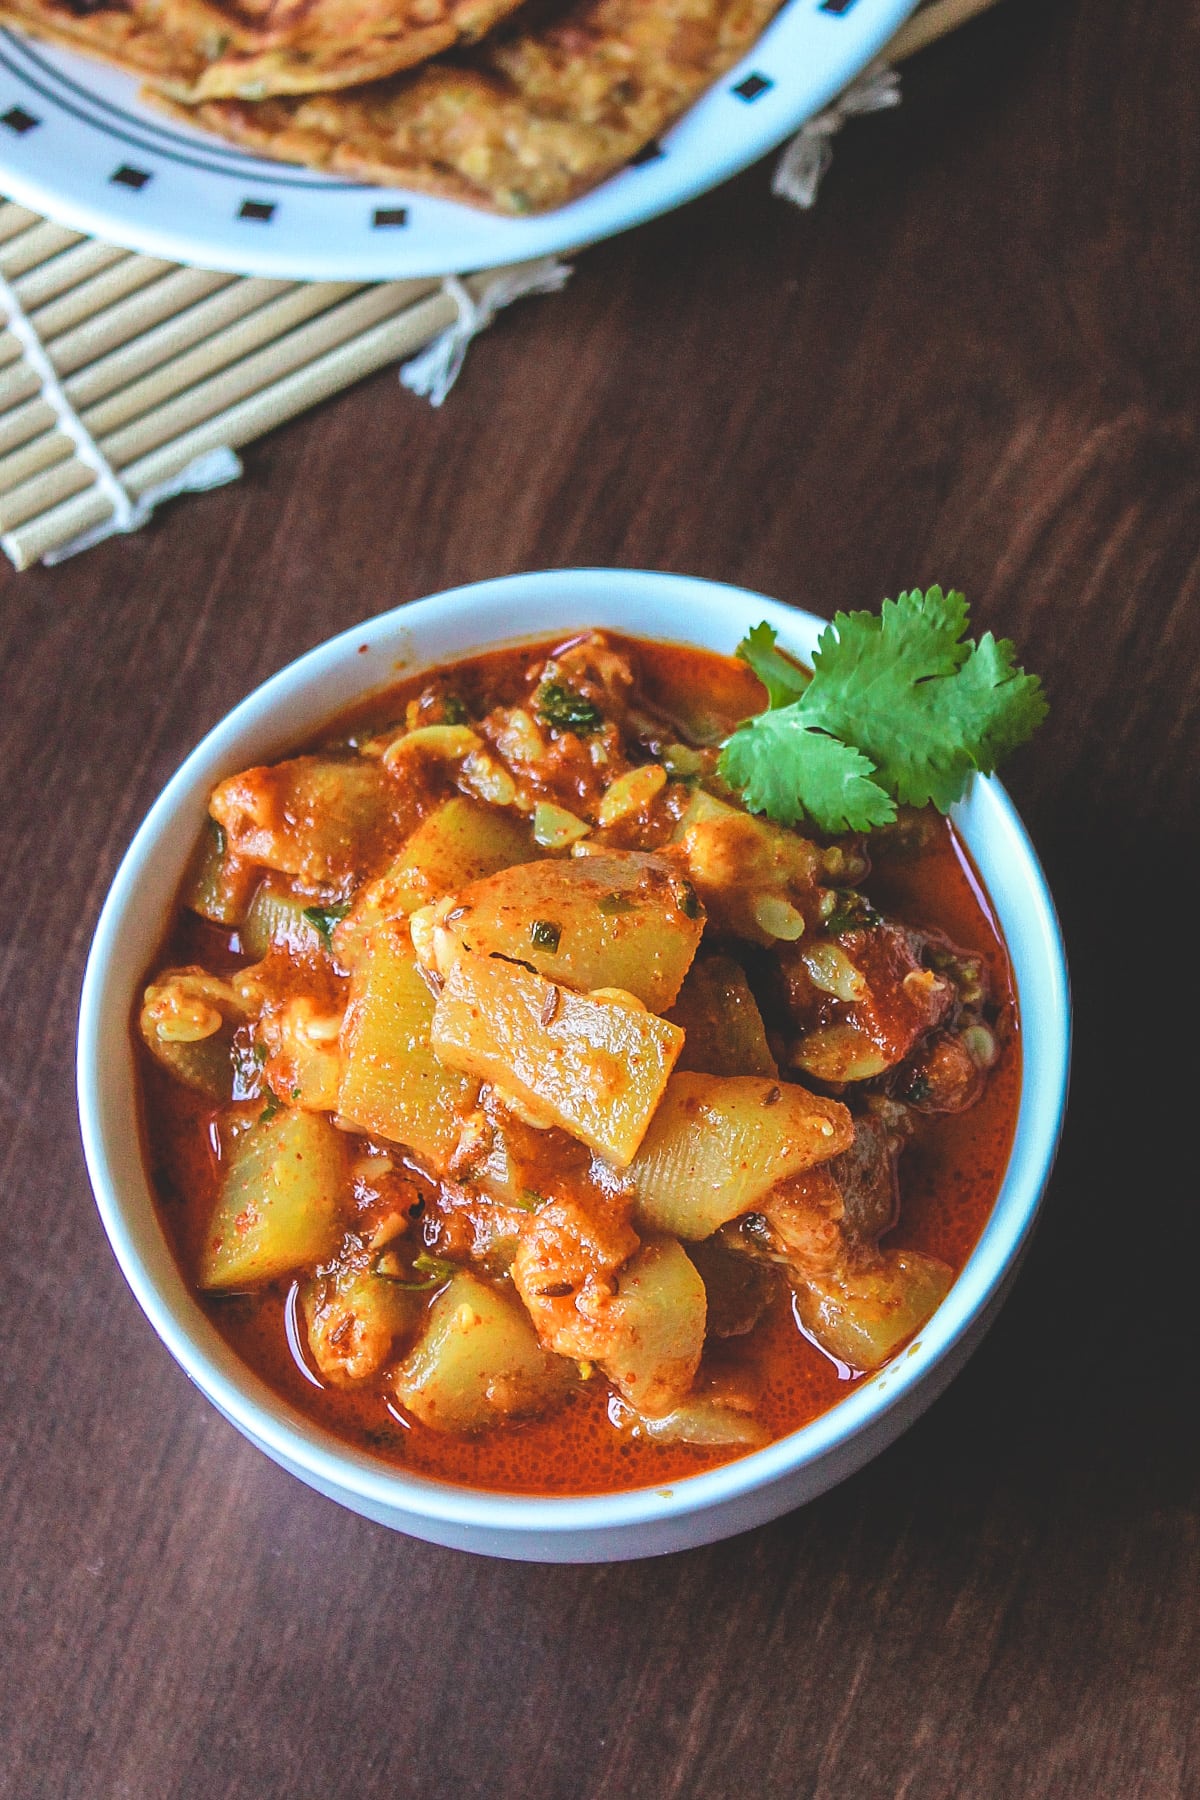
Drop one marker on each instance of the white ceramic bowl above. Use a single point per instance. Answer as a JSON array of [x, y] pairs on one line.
[[758, 1487]]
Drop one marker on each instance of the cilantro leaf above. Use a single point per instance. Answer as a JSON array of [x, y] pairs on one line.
[[787, 769], [927, 708], [997, 701], [782, 679], [563, 709], [901, 706], [324, 918]]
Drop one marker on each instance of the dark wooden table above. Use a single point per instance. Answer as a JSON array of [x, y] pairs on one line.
[[976, 362]]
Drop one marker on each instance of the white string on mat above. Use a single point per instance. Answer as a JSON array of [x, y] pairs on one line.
[[213, 469], [805, 160], [435, 369]]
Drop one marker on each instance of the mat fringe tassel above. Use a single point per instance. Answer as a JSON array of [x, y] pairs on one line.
[[211, 470], [435, 369], [216, 468], [806, 159]]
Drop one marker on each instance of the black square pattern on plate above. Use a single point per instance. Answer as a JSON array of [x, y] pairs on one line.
[[129, 177], [390, 215], [647, 154], [752, 87], [262, 210], [836, 6], [18, 120]]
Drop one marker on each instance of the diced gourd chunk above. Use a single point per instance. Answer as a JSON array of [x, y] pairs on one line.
[[281, 1201], [187, 1021], [279, 918], [461, 842], [317, 818], [220, 885], [603, 921], [718, 1143], [654, 1327], [723, 1027], [838, 1053], [354, 1319], [863, 1317], [478, 1362], [594, 1066], [705, 1422], [393, 1086]]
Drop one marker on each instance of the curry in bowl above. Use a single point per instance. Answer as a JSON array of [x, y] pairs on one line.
[[524, 1108]]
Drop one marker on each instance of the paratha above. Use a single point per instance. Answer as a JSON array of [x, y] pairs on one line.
[[211, 49], [313, 46], [525, 122], [135, 36]]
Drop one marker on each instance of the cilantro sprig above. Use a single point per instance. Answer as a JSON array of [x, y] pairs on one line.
[[901, 707]]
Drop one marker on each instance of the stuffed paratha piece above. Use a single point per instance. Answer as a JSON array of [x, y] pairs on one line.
[[213, 49], [528, 121], [313, 46], [170, 42]]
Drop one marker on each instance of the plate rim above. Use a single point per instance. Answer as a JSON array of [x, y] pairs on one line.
[[555, 233]]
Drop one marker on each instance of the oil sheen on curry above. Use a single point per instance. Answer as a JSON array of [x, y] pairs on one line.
[[525, 1111]]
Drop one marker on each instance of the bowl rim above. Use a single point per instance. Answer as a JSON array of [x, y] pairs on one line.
[[475, 618]]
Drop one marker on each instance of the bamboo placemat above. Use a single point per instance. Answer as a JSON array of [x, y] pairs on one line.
[[125, 379]]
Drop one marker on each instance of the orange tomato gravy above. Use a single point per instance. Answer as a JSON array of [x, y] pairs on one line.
[[950, 1172]]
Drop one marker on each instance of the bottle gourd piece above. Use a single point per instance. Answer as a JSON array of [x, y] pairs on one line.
[[279, 918], [700, 1420], [281, 1203], [461, 842], [603, 921], [655, 1323], [724, 1029], [718, 1143], [321, 819], [596, 1067], [219, 885], [478, 1362], [864, 1316], [393, 1086]]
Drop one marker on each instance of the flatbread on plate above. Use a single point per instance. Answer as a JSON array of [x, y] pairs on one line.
[[214, 49], [142, 37], [526, 122], [312, 46]]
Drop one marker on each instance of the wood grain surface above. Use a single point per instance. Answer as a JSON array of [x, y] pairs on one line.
[[976, 362]]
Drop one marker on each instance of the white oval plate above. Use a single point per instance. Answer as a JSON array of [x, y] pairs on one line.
[[78, 145]]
